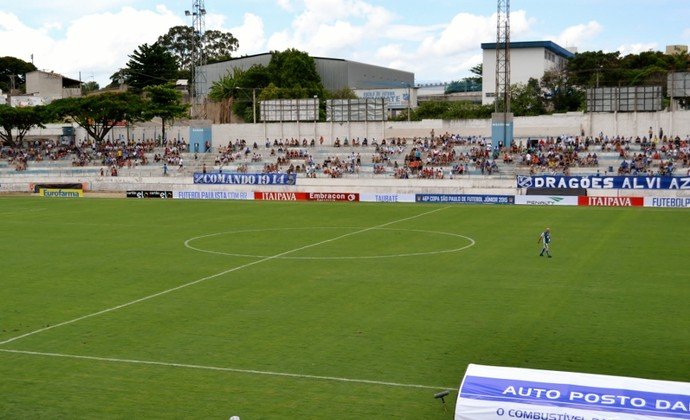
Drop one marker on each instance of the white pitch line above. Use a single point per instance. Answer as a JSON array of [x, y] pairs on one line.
[[223, 369], [345, 257], [212, 276]]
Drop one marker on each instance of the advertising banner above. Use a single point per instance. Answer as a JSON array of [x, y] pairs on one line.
[[611, 201], [60, 193], [57, 186], [572, 192], [212, 195], [673, 202], [244, 179], [465, 198], [303, 196], [490, 392], [149, 194], [387, 198], [545, 200], [280, 196], [319, 196], [606, 182]]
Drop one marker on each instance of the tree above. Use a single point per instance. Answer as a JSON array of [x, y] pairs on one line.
[[594, 68], [527, 99], [226, 87], [20, 121], [218, 46], [468, 84], [236, 90], [560, 94], [98, 114], [344, 93], [290, 75], [164, 102], [224, 91], [478, 72], [89, 87], [294, 72], [180, 41], [14, 68], [150, 65], [270, 92], [461, 110]]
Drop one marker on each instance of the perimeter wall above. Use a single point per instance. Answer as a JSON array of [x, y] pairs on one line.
[[572, 123]]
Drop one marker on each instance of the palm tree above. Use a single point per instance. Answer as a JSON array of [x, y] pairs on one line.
[[224, 91]]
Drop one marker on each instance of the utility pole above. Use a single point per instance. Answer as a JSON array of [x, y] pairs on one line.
[[254, 103]]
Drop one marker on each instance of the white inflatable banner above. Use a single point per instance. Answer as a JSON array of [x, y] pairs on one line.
[[546, 200], [677, 202], [212, 195], [387, 198], [489, 392]]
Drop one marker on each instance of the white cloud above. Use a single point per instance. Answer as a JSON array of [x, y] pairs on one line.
[[446, 51], [637, 48], [464, 32], [97, 41], [213, 21], [250, 35], [360, 31], [333, 27], [96, 44], [390, 52], [280, 41], [33, 41], [83, 6], [285, 5], [579, 35], [411, 32], [40, 12]]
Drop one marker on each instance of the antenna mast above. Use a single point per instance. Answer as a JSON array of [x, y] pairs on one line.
[[198, 61], [502, 118], [503, 56]]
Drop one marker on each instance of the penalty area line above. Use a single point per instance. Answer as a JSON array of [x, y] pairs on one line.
[[222, 369]]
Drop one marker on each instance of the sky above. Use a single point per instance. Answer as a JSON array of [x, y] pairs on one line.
[[438, 40]]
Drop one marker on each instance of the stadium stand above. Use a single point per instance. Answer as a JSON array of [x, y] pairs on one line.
[[445, 156]]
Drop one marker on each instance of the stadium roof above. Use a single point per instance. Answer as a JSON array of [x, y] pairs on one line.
[[549, 45]]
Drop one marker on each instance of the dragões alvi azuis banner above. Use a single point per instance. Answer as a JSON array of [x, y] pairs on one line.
[[606, 182]]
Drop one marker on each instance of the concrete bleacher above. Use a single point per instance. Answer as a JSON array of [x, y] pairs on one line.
[[608, 162]]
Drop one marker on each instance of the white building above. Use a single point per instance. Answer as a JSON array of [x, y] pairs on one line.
[[51, 86], [530, 59], [676, 49]]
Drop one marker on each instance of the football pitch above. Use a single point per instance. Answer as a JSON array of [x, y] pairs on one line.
[[116, 308]]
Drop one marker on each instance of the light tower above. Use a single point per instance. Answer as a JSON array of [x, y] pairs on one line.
[[502, 119], [198, 59]]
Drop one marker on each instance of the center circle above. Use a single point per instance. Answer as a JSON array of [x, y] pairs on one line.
[[469, 242]]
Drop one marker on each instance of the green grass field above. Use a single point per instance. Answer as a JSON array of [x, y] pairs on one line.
[[189, 309]]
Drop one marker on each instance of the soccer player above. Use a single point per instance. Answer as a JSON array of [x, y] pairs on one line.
[[545, 239]]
